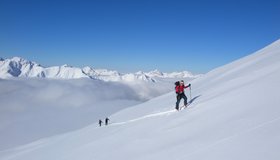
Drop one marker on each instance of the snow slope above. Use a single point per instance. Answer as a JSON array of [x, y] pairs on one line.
[[234, 114]]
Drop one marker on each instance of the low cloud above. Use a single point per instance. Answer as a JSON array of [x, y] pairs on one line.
[[34, 108]]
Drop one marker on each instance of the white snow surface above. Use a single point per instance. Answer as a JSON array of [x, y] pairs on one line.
[[234, 114]]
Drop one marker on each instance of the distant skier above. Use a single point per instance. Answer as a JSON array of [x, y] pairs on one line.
[[180, 93], [107, 121], [100, 122]]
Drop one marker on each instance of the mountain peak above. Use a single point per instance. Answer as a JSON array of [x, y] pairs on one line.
[[67, 66], [18, 59]]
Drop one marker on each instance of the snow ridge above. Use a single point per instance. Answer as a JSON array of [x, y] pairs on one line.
[[19, 67]]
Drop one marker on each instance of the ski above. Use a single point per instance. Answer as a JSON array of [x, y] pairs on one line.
[[183, 107]]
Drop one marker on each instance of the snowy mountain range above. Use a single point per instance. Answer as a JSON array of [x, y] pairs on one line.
[[233, 114], [19, 67]]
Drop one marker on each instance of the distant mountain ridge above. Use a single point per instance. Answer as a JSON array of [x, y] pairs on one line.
[[19, 67]]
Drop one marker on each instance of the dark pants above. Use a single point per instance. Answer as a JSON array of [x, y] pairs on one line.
[[179, 97]]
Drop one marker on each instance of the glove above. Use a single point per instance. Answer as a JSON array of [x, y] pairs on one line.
[[189, 85]]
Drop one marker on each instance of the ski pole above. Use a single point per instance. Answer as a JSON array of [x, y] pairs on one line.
[[191, 92]]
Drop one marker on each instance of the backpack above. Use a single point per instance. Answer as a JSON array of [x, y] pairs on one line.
[[176, 84]]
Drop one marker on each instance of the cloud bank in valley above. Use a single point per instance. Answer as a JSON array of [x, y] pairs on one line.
[[34, 108]]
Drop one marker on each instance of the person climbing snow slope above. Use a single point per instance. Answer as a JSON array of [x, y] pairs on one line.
[[179, 88]]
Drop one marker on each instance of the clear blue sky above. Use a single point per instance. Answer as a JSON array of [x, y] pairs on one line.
[[132, 35]]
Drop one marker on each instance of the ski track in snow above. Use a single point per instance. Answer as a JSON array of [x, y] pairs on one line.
[[146, 116], [168, 112]]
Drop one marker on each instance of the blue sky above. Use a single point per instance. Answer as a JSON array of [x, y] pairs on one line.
[[132, 35]]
